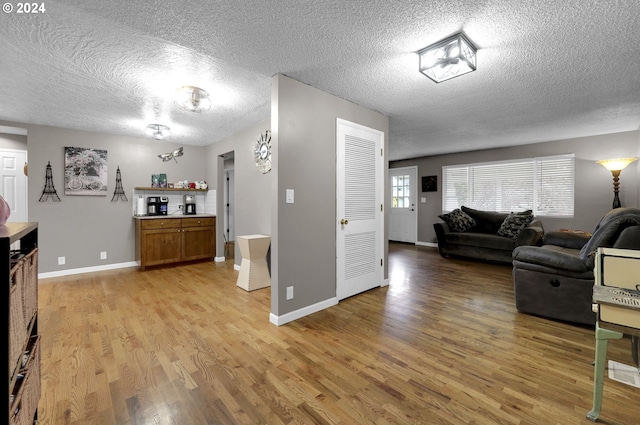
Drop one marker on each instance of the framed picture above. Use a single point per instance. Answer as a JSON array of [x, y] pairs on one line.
[[85, 171], [429, 183]]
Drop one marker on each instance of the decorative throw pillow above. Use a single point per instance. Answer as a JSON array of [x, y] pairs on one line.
[[514, 223], [458, 220]]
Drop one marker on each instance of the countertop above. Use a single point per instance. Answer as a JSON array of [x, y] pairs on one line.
[[153, 217]]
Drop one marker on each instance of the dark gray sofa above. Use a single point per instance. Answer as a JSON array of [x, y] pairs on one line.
[[482, 241], [556, 279]]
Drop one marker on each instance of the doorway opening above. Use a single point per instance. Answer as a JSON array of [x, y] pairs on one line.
[[13, 171], [229, 206]]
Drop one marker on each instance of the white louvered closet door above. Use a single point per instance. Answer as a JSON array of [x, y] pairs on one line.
[[359, 212]]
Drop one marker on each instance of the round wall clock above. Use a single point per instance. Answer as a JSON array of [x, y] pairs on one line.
[[262, 152]]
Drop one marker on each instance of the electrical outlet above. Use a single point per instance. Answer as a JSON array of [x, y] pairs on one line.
[[61, 261], [289, 292], [103, 255]]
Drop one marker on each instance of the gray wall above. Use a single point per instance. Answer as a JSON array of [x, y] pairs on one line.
[[13, 141], [303, 123], [593, 187], [252, 188], [80, 227]]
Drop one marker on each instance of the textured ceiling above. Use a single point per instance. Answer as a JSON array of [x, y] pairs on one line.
[[547, 69]]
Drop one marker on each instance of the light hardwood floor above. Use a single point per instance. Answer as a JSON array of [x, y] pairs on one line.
[[442, 344]]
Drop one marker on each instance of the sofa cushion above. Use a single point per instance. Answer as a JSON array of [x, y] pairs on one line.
[[513, 223], [486, 221], [457, 220], [481, 240]]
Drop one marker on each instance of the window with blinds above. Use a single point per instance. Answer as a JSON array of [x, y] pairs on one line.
[[544, 185]]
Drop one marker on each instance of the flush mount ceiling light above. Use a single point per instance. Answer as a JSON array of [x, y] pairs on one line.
[[158, 131], [193, 99], [448, 58]]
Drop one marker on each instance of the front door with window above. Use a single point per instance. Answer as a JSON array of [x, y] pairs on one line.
[[402, 214]]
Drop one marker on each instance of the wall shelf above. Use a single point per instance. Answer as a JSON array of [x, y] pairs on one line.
[[171, 189]]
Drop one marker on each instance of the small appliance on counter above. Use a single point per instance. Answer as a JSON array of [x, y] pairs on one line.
[[157, 205], [140, 210], [189, 202]]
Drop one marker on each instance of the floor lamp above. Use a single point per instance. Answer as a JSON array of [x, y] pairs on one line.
[[616, 166]]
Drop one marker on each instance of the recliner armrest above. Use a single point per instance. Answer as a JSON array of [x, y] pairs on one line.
[[565, 239], [549, 258], [629, 238]]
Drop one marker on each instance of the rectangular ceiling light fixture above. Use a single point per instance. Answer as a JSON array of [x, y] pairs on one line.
[[448, 58]]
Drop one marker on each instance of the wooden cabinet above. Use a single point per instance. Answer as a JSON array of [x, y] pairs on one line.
[[174, 239], [198, 238], [19, 268]]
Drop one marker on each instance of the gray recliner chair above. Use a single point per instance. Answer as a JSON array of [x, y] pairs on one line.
[[556, 280]]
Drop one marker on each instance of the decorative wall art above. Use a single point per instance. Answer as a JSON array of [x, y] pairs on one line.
[[429, 183], [171, 155], [49, 191], [119, 192], [85, 171]]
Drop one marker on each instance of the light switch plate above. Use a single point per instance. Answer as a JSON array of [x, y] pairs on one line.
[[423, 200], [289, 196]]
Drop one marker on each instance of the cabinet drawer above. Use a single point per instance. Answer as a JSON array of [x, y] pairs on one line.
[[198, 221], [161, 223]]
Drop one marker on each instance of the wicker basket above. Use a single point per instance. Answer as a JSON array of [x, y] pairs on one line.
[[30, 290], [27, 389], [17, 325]]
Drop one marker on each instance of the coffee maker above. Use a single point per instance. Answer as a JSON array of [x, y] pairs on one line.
[[157, 205], [189, 204]]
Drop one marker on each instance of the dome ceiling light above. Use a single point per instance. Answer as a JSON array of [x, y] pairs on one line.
[[193, 99]]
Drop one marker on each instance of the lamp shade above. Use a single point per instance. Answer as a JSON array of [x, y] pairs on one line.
[[616, 164], [449, 58]]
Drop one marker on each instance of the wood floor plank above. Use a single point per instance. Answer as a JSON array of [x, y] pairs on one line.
[[442, 344]]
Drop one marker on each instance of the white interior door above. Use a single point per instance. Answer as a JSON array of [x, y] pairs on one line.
[[402, 207], [14, 182], [359, 210]]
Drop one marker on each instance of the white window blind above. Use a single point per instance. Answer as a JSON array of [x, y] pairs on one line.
[[544, 185]]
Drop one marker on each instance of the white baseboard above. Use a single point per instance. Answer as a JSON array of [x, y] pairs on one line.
[[289, 317], [385, 283], [69, 272], [219, 259], [431, 244], [236, 267]]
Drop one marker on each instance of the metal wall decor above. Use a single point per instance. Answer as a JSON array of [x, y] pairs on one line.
[[171, 155], [119, 192], [262, 152], [49, 190]]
